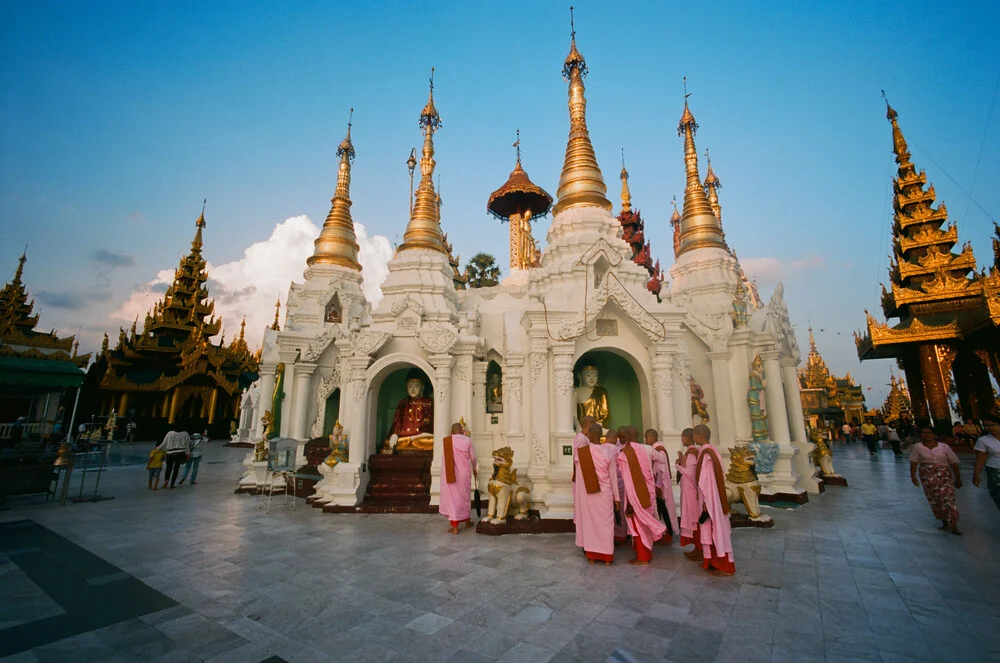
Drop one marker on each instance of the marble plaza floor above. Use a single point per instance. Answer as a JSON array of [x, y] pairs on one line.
[[201, 574]]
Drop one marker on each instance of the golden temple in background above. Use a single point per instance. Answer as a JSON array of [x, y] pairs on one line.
[[828, 401], [947, 340]]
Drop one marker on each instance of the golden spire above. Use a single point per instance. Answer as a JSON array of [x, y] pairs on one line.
[[277, 311], [20, 266], [899, 146], [812, 340], [581, 183], [337, 244], [699, 227], [712, 186], [424, 229], [675, 223], [626, 194], [196, 243], [243, 328]]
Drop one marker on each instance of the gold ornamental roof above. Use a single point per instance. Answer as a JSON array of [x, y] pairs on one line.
[[424, 228], [699, 227], [337, 243], [517, 195]]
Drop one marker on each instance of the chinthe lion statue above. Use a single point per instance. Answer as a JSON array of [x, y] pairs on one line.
[[742, 486], [822, 456], [503, 488]]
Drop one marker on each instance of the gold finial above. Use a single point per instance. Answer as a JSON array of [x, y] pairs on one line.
[[699, 227], [517, 146], [424, 229], [277, 311], [899, 147], [243, 328], [19, 272], [197, 243], [581, 183], [626, 194], [337, 243], [812, 340], [712, 186]]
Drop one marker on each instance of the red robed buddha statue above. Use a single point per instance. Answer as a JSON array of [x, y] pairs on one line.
[[413, 423]]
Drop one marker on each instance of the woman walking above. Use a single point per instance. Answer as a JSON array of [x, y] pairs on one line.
[[988, 457], [936, 463]]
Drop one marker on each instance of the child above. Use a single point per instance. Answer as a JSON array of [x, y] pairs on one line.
[[154, 465]]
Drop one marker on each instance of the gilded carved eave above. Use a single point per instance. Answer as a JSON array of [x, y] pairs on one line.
[[927, 236], [921, 214], [991, 293], [908, 331], [944, 286], [934, 259], [165, 383], [36, 353]]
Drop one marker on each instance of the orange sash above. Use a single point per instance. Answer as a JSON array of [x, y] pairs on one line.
[[587, 469], [720, 479], [449, 460], [638, 479]]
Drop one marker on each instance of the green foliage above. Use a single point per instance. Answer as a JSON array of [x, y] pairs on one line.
[[482, 271]]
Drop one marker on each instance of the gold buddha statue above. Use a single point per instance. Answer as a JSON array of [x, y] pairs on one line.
[[591, 399], [413, 424]]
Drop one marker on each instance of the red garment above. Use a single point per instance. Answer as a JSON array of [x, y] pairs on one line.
[[714, 561], [642, 553], [599, 557]]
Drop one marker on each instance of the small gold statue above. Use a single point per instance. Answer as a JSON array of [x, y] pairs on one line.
[[338, 446], [698, 406], [503, 486], [742, 486], [821, 455]]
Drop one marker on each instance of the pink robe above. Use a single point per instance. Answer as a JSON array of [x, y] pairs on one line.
[[690, 500], [595, 525], [661, 474], [621, 530], [716, 531], [578, 441], [455, 499], [643, 523]]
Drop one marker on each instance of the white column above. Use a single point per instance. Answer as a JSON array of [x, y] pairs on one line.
[[784, 480], [797, 425], [562, 365], [461, 399], [663, 387], [723, 399], [442, 418], [538, 400], [739, 374], [266, 388], [300, 399], [682, 395], [353, 410], [513, 393], [477, 407]]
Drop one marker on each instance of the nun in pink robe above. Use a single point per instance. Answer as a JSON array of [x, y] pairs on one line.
[[635, 466], [595, 524], [614, 446], [715, 533], [690, 502], [456, 478], [580, 440], [661, 475]]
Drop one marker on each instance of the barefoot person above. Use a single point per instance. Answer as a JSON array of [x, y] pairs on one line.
[[595, 497], [687, 461], [664, 486], [459, 468], [582, 439], [935, 463], [988, 457], [714, 532], [635, 466]]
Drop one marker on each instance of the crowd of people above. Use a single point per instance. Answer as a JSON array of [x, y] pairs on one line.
[[177, 449]]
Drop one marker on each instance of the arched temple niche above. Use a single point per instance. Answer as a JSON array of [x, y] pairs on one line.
[[331, 412], [334, 311], [625, 392], [494, 387], [385, 389]]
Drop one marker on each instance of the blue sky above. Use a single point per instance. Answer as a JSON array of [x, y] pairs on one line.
[[117, 119]]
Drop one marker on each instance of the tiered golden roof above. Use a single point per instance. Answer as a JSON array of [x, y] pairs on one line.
[[823, 392], [626, 194], [699, 227], [581, 183], [18, 337], [337, 244], [424, 229], [897, 402]]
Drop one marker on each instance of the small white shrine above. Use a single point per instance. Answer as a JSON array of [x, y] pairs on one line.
[[509, 359]]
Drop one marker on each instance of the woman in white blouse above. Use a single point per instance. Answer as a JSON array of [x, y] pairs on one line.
[[936, 462], [988, 457]]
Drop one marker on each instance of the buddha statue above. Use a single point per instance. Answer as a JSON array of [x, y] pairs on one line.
[[591, 399], [698, 407], [338, 446], [413, 424]]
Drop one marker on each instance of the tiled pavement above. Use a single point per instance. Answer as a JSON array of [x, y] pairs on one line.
[[859, 574]]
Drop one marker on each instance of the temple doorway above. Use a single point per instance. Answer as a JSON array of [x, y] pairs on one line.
[[390, 393], [623, 391], [331, 412]]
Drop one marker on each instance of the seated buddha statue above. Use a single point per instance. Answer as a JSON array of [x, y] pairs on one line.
[[591, 399], [413, 424]]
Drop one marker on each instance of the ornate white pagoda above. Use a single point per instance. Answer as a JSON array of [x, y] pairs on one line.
[[585, 303]]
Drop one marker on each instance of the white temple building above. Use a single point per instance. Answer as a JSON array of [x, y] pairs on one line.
[[584, 302]]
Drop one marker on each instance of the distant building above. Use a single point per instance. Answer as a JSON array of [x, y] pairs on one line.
[[170, 374], [897, 404], [827, 399], [39, 371]]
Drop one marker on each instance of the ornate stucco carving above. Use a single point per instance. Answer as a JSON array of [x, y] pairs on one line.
[[537, 451], [318, 346], [437, 338], [368, 342], [463, 367]]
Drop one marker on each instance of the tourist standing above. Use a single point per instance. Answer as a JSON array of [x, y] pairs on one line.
[[936, 462], [595, 497], [713, 526], [687, 465], [459, 468], [893, 436], [155, 465], [635, 465], [665, 505], [988, 457], [193, 459], [870, 435], [846, 430], [175, 444], [130, 432]]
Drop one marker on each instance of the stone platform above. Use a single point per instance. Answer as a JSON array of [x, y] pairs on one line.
[[534, 524]]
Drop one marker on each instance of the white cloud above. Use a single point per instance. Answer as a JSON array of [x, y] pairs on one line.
[[768, 271], [249, 286]]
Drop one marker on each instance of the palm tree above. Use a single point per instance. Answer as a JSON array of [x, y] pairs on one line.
[[482, 271]]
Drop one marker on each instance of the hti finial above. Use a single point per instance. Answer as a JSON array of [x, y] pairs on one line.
[[572, 25], [686, 93], [432, 80], [623, 158], [517, 146], [200, 223]]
